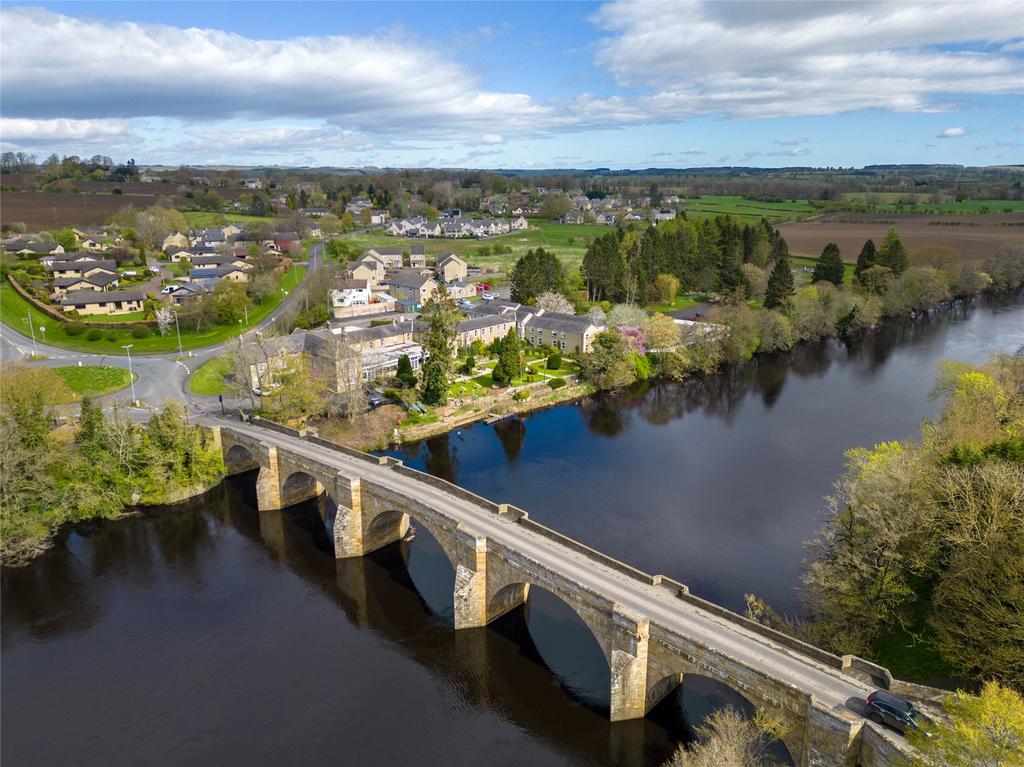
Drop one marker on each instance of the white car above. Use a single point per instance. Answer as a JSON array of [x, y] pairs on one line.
[[488, 296], [154, 270], [169, 289]]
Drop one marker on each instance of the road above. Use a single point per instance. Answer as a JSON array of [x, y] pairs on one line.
[[832, 688], [160, 377]]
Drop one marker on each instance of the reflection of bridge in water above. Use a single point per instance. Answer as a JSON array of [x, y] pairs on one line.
[[651, 631]]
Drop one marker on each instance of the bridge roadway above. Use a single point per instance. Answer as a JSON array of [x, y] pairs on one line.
[[832, 689]]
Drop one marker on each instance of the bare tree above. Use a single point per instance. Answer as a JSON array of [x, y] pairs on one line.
[[346, 377]]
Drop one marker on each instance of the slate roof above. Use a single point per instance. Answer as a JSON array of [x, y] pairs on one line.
[[101, 297]]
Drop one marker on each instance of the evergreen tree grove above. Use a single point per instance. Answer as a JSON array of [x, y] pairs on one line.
[[440, 312]]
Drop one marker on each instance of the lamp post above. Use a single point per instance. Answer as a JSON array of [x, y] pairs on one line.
[[131, 374], [32, 330], [177, 330]]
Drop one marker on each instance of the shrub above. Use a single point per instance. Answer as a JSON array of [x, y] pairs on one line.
[[521, 395], [94, 334], [556, 383], [140, 331], [113, 335], [74, 328], [469, 364], [554, 361]]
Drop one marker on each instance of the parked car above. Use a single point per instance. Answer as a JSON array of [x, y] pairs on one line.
[[154, 270], [894, 711], [374, 400], [169, 289], [488, 296], [482, 286]]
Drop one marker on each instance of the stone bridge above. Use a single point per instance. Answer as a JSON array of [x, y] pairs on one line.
[[652, 631]]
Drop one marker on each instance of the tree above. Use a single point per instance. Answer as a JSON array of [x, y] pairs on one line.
[[538, 271], [892, 254], [301, 393], [550, 301], [404, 373], [164, 320], [780, 285], [230, 301], [510, 359], [727, 739], [554, 206], [347, 376], [866, 259], [666, 286], [67, 239], [626, 315], [608, 365], [440, 312], [829, 266], [985, 730]]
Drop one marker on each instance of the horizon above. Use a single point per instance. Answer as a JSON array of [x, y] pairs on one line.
[[524, 86]]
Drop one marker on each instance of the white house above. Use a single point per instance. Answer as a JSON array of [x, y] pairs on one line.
[[351, 293]]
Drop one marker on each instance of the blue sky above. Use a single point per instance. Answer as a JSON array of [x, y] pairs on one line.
[[517, 85]]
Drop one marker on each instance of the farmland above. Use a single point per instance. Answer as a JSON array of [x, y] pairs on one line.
[[50, 210], [748, 211], [899, 203], [974, 237]]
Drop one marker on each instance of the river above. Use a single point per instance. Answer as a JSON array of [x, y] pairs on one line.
[[213, 633]]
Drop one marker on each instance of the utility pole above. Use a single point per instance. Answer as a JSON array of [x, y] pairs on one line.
[[131, 375]]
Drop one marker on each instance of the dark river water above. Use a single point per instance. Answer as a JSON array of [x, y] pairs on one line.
[[216, 634]]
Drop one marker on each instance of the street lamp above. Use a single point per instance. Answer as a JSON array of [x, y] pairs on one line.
[[131, 375], [177, 330], [31, 328], [42, 329]]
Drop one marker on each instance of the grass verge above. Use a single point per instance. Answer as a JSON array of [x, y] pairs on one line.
[[209, 378], [93, 380]]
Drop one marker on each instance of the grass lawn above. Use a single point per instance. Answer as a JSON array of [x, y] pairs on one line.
[[567, 241], [209, 378], [568, 368], [93, 380], [204, 218], [14, 309], [682, 301], [126, 317], [748, 211]]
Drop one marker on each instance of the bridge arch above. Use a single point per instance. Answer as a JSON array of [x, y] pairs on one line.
[[392, 524], [563, 636], [793, 734], [299, 486], [238, 459]]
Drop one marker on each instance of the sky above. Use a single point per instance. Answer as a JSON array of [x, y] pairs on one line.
[[620, 84]]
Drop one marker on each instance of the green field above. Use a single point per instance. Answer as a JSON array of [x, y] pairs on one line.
[[14, 311], [209, 378], [567, 241], [204, 218], [890, 202], [748, 211], [94, 380]]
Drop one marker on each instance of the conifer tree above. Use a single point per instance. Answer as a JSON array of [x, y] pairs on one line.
[[867, 258], [892, 254], [780, 284], [830, 266]]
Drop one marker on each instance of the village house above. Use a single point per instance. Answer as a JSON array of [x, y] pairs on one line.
[[412, 288], [460, 290], [87, 302], [228, 272], [99, 282], [82, 267], [484, 328], [390, 257], [25, 247], [176, 240], [351, 293], [417, 257], [566, 332], [451, 268], [519, 223]]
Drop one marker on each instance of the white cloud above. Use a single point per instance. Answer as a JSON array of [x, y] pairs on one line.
[[954, 132], [790, 142], [124, 70], [693, 151], [492, 138], [798, 151], [754, 60], [23, 131]]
